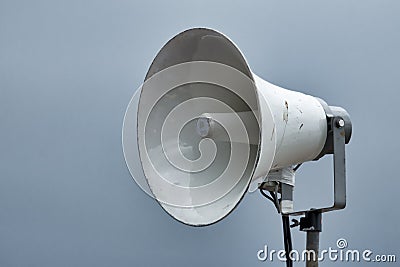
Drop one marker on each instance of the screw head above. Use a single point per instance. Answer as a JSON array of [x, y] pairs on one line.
[[340, 123]]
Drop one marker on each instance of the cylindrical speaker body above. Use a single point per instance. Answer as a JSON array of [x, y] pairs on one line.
[[300, 124]]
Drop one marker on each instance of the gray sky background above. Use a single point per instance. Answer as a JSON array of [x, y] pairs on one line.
[[68, 70]]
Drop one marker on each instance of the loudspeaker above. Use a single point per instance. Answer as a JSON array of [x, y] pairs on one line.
[[203, 128]]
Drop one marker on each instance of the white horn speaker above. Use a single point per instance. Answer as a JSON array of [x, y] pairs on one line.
[[204, 127]]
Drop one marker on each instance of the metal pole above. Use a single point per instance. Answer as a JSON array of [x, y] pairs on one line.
[[312, 224], [312, 247]]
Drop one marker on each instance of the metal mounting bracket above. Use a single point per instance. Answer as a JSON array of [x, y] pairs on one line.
[[339, 166]]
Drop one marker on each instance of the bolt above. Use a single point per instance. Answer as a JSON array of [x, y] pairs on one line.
[[340, 123]]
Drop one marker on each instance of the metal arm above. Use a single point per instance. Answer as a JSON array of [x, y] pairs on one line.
[[339, 175]]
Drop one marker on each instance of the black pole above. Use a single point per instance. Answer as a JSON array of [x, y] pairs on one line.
[[313, 247], [312, 224]]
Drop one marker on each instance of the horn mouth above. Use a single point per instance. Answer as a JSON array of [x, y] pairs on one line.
[[223, 83]]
